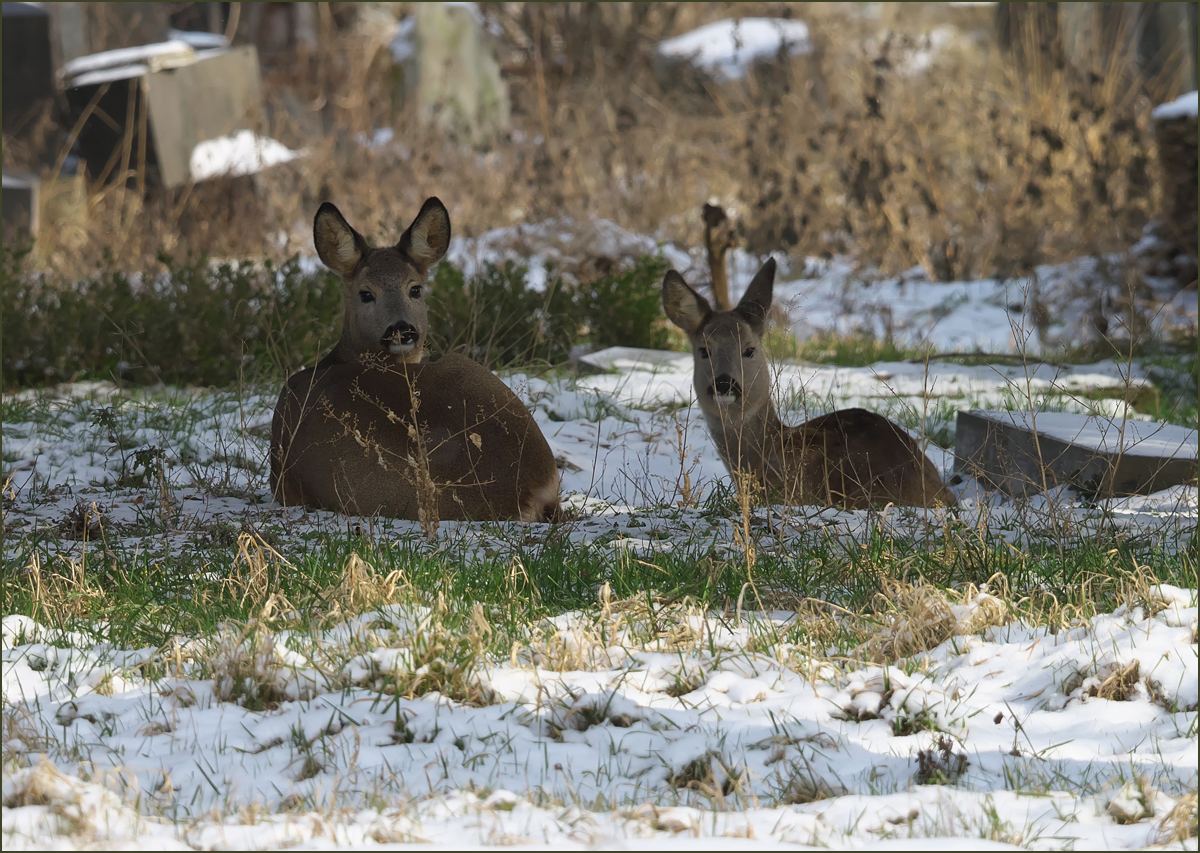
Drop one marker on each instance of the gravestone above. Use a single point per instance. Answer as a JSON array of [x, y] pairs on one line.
[[457, 83], [28, 68], [634, 358], [1174, 126], [1022, 454], [20, 203], [189, 96]]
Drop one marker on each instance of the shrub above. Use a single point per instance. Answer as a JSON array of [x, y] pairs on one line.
[[202, 323], [497, 319], [195, 323], [624, 308]]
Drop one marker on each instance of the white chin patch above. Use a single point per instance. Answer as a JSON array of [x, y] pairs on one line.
[[399, 349], [725, 399]]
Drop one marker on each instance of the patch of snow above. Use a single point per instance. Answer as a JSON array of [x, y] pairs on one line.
[[198, 39], [727, 48], [109, 75], [601, 755], [1182, 107], [563, 243], [403, 45], [243, 153], [380, 138]]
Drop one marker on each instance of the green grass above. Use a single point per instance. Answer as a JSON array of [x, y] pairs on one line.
[[133, 597]]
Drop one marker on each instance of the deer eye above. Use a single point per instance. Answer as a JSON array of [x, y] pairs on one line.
[[366, 296], [748, 352], [415, 291], [703, 352]]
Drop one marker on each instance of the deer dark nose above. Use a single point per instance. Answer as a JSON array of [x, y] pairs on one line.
[[724, 385], [404, 333]]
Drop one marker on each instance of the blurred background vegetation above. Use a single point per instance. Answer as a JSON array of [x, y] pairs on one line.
[[971, 139]]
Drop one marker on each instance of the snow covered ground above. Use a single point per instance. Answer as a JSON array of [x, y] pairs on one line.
[[600, 732], [1057, 306], [617, 726], [629, 442], [596, 730]]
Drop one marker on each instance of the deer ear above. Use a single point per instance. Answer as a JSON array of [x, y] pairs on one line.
[[339, 246], [757, 301], [427, 239], [686, 308]]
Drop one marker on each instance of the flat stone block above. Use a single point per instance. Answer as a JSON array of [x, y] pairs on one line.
[[1022, 454], [21, 204], [633, 358]]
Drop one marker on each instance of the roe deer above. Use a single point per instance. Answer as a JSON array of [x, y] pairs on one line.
[[847, 458], [370, 430]]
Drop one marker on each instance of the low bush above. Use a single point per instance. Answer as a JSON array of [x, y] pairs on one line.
[[200, 323], [497, 319], [624, 308], [195, 323]]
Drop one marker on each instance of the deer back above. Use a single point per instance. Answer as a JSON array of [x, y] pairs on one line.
[[856, 458], [387, 438]]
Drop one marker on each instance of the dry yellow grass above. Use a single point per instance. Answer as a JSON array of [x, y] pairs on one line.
[[969, 170]]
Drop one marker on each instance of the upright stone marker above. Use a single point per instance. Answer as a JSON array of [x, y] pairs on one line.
[[1174, 127], [21, 203], [28, 71], [189, 96], [1022, 454], [459, 88]]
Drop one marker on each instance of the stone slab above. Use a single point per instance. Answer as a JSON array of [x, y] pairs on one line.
[[1021, 453], [634, 358], [191, 99], [20, 202], [28, 71]]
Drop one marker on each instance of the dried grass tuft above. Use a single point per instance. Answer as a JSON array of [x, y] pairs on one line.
[[1179, 824], [362, 587], [915, 618], [245, 664]]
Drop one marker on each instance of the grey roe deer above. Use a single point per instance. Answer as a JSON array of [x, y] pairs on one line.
[[850, 458], [372, 431]]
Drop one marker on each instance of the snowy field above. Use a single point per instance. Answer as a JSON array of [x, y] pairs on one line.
[[600, 733], [633, 721]]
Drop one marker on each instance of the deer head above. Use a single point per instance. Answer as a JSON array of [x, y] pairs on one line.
[[383, 289], [731, 374]]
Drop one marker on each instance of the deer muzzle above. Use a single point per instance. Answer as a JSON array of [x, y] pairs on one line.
[[725, 390], [401, 338]]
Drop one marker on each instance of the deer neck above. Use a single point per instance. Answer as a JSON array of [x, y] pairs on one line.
[[747, 442], [340, 354]]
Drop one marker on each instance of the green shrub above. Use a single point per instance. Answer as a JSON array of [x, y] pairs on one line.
[[196, 323], [211, 324], [498, 320], [624, 308]]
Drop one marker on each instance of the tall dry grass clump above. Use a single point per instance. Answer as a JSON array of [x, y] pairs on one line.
[[878, 143]]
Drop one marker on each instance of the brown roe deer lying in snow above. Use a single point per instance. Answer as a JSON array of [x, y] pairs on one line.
[[851, 458], [372, 431]]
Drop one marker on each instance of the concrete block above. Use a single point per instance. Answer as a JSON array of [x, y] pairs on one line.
[[212, 98], [633, 358], [189, 97], [21, 203], [28, 71], [1022, 454]]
